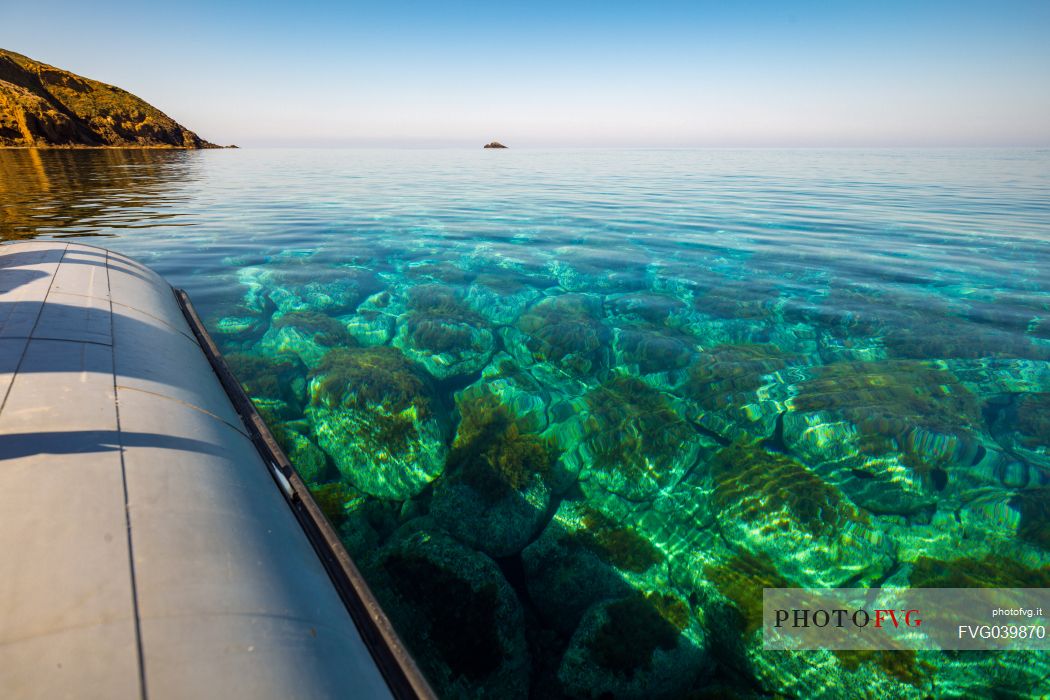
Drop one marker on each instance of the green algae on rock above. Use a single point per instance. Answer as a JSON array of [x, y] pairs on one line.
[[737, 388], [771, 504], [443, 334], [583, 557], [321, 328], [309, 460], [371, 410], [646, 350], [615, 544], [494, 496], [265, 377], [1034, 507], [990, 571], [741, 580], [888, 433], [332, 499], [635, 440], [564, 330], [648, 307], [1023, 426], [308, 335]]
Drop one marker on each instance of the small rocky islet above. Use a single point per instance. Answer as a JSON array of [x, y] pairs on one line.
[[562, 482]]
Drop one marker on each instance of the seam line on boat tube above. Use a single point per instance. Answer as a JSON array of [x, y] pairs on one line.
[[36, 322], [127, 510], [395, 663]]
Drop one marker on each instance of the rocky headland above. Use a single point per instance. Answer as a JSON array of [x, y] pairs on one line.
[[46, 107]]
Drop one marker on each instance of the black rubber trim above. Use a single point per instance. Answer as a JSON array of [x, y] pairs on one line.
[[399, 669]]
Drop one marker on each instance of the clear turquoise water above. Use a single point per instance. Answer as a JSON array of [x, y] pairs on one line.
[[572, 410]]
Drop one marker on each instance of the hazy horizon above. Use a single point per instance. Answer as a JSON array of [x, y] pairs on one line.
[[666, 75]]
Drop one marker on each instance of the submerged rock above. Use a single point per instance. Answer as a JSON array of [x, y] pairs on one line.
[[1023, 426], [443, 334], [565, 331], [494, 495], [772, 506], [501, 297], [309, 335], [635, 441], [373, 413], [649, 307], [457, 612], [241, 329], [309, 460], [893, 435], [277, 379], [369, 327], [648, 350], [639, 646], [582, 557], [736, 298], [738, 388]]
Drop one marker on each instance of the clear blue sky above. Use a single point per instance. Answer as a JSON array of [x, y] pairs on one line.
[[540, 73]]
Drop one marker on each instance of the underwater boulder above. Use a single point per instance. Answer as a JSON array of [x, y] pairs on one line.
[[277, 386], [738, 390], [256, 282], [1023, 426], [384, 302], [306, 334], [369, 327], [331, 291], [564, 331], [373, 413], [341, 294], [1033, 509], [527, 395], [771, 505], [753, 298], [649, 350], [941, 335], [586, 267], [307, 458], [494, 494], [544, 402], [648, 308], [442, 271], [241, 329], [443, 334], [635, 440], [582, 557], [644, 645], [895, 436], [501, 296], [457, 614], [836, 348]]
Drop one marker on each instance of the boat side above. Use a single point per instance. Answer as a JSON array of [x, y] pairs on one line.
[[156, 541]]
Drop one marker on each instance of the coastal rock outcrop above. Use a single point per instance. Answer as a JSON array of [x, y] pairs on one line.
[[43, 106]]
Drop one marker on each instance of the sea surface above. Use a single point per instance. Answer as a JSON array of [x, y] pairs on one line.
[[572, 410]]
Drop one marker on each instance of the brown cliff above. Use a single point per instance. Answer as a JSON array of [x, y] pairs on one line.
[[43, 106]]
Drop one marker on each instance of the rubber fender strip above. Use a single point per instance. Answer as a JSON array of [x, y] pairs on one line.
[[397, 665]]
